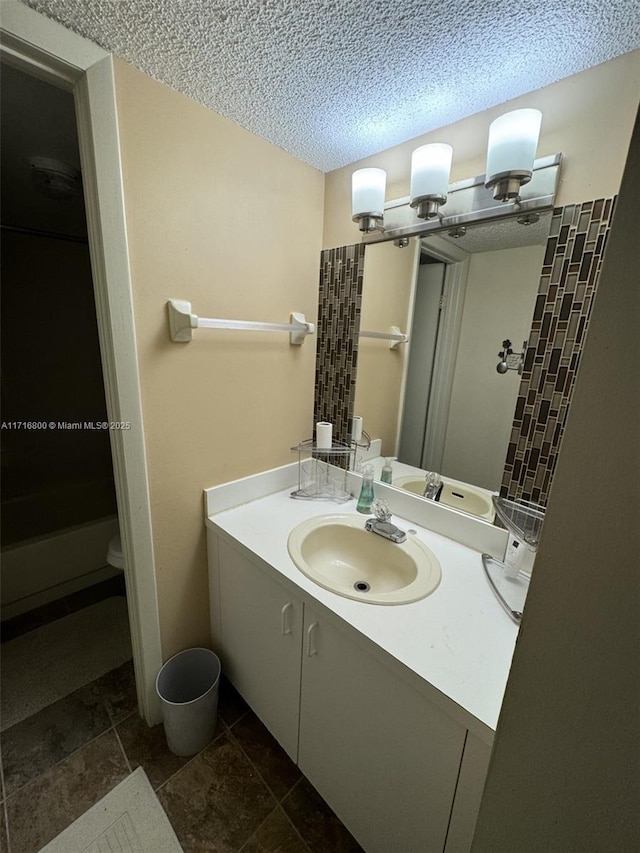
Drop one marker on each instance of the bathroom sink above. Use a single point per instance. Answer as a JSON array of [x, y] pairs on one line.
[[455, 495], [337, 553]]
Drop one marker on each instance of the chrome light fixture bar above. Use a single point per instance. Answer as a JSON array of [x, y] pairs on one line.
[[511, 151], [469, 201]]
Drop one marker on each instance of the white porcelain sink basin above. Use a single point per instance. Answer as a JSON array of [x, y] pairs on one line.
[[337, 553], [455, 495]]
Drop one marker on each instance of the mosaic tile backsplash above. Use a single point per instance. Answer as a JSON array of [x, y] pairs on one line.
[[568, 283], [341, 272]]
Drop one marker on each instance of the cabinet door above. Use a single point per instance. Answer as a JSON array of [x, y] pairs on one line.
[[260, 643], [466, 805], [382, 756]]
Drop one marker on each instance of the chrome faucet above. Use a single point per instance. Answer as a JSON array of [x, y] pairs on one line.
[[381, 524], [433, 486]]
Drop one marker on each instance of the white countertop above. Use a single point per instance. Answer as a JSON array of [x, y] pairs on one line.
[[458, 639]]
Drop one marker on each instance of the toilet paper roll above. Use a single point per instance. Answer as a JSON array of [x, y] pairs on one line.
[[356, 428], [324, 435]]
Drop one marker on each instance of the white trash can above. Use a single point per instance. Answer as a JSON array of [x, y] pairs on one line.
[[187, 685]]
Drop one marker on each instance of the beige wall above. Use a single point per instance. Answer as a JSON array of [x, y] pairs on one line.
[[388, 275], [564, 769], [500, 297], [219, 217], [588, 117]]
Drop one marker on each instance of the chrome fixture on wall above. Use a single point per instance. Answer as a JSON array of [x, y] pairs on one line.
[[510, 360], [469, 202], [511, 151]]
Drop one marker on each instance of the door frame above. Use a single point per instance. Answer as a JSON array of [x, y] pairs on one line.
[[446, 347], [38, 46]]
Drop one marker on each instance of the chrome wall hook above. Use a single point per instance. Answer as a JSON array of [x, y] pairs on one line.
[[510, 360]]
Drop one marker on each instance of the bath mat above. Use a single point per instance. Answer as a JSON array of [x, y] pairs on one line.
[[38, 668], [129, 819]]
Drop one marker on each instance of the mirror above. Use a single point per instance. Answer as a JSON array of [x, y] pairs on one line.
[[438, 403]]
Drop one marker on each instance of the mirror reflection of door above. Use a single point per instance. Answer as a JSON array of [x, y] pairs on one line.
[[423, 337], [439, 404], [499, 301]]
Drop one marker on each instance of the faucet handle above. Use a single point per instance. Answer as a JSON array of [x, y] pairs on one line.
[[381, 510]]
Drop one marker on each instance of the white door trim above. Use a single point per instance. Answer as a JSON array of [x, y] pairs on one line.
[[415, 269], [455, 286], [45, 49]]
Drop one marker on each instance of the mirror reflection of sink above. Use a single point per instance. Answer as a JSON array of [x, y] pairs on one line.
[[337, 553], [455, 495]]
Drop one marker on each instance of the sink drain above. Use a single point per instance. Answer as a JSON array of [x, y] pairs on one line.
[[361, 586]]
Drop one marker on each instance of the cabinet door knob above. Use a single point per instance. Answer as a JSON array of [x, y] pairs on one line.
[[285, 622], [312, 649]]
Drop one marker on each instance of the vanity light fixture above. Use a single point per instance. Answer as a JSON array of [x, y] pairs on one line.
[[513, 139], [430, 170], [511, 164], [368, 187]]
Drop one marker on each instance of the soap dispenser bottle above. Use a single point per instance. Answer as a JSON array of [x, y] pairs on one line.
[[366, 492], [387, 471]]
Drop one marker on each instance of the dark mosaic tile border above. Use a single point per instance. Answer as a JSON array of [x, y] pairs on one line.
[[341, 272], [568, 282]]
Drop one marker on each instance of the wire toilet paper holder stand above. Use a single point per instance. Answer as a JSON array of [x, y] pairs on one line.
[[323, 471]]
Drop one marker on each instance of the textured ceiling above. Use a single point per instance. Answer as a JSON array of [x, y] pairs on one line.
[[499, 234], [332, 81]]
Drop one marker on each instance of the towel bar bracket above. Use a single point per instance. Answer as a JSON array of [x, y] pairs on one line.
[[394, 335]]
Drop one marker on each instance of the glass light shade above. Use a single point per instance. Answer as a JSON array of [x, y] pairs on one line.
[[513, 139], [430, 169], [368, 187]]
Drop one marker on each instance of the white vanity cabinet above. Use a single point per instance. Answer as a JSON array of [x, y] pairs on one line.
[[384, 758], [382, 755], [259, 639]]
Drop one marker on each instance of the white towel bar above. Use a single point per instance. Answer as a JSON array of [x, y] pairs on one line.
[[182, 322], [394, 335]]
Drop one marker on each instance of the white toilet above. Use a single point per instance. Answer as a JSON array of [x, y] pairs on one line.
[[114, 553]]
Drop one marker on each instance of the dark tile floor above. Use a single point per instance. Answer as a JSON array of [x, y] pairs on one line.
[[240, 793]]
